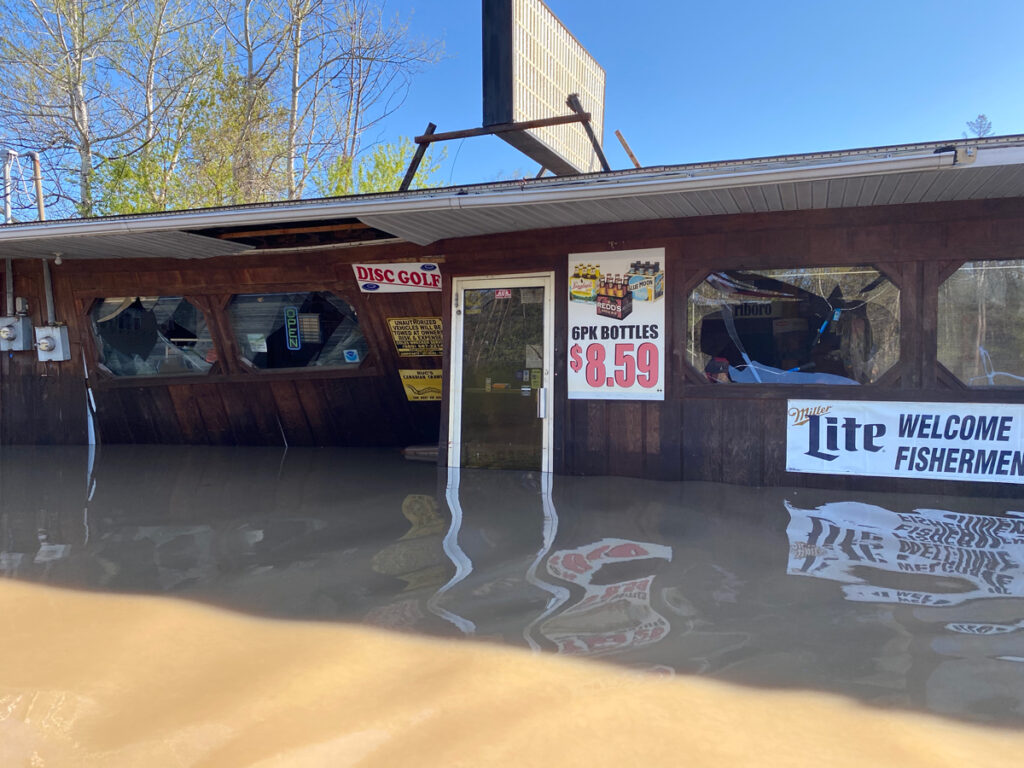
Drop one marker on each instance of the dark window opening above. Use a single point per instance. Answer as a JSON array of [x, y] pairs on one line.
[[819, 325], [152, 336], [297, 330]]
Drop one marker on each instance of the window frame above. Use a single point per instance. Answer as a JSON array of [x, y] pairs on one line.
[[318, 371], [945, 375], [696, 382], [230, 367]]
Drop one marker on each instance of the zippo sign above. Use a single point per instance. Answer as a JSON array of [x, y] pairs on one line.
[[397, 278], [939, 441]]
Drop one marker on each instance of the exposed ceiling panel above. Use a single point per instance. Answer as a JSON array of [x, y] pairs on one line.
[[168, 244]]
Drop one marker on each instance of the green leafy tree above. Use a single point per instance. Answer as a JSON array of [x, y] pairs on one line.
[[225, 146], [382, 170]]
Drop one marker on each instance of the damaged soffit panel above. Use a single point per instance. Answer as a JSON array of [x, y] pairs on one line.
[[170, 244]]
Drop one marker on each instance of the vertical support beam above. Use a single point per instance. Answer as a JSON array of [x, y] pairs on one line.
[[8, 216], [573, 102], [48, 289], [9, 280], [421, 149], [9, 159], [37, 176]]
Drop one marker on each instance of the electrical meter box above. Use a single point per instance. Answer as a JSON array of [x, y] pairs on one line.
[[52, 343], [16, 334]]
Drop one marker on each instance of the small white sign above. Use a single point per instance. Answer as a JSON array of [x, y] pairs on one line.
[[257, 342], [398, 278], [980, 442]]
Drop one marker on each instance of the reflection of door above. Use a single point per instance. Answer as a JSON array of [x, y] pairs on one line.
[[501, 396]]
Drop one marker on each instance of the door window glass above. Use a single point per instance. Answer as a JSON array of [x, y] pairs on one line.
[[502, 377]]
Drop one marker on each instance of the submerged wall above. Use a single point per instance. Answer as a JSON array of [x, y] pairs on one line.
[[701, 431]]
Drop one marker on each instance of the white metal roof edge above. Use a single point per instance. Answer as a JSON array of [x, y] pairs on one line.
[[571, 189]]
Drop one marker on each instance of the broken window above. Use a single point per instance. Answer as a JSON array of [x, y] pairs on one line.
[[297, 330], [815, 325], [152, 336]]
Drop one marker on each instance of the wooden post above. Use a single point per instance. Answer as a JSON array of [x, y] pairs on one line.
[[417, 158], [625, 146], [494, 130], [573, 102]]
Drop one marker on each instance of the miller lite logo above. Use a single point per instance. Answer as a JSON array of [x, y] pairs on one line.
[[827, 436]]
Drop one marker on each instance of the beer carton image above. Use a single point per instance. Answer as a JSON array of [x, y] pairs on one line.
[[583, 282], [619, 307], [646, 281], [614, 299]]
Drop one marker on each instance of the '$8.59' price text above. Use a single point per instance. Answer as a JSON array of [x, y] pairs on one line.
[[639, 366]]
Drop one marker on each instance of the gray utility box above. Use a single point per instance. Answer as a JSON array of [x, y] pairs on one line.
[[52, 343], [16, 334]]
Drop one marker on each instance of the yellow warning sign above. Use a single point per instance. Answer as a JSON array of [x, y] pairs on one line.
[[421, 383], [417, 336]]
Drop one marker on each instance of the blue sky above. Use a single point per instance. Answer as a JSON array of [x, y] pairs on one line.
[[692, 82]]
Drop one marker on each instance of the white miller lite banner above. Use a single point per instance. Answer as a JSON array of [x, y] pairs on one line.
[[939, 441]]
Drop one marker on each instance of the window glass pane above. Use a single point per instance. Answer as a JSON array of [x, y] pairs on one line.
[[818, 325], [981, 323], [297, 330], [152, 336]]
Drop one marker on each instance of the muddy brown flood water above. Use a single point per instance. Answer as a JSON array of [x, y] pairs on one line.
[[194, 606]]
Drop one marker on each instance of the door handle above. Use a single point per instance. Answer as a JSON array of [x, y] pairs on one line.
[[542, 403]]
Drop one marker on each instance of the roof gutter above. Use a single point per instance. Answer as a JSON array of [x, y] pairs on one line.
[[572, 190]]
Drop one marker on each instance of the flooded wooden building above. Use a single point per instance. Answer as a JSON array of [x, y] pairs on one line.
[[849, 319]]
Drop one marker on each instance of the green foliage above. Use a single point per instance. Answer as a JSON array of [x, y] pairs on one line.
[[380, 171], [238, 148], [226, 147], [166, 104]]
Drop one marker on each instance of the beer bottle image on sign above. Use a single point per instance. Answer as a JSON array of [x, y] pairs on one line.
[[613, 300]]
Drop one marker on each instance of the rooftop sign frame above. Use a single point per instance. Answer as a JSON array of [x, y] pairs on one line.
[[531, 63]]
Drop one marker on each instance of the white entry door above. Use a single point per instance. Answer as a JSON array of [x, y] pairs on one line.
[[501, 367]]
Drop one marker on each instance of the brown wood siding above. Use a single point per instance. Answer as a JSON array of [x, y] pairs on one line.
[[46, 402], [699, 432]]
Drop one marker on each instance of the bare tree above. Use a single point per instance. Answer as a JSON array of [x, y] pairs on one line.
[[348, 67], [169, 61], [980, 126], [59, 94]]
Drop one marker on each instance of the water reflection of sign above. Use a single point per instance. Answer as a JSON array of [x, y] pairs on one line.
[[942, 441], [610, 617], [945, 558], [417, 336], [421, 383], [291, 329]]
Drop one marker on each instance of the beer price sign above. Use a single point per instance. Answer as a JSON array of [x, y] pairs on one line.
[[616, 325]]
